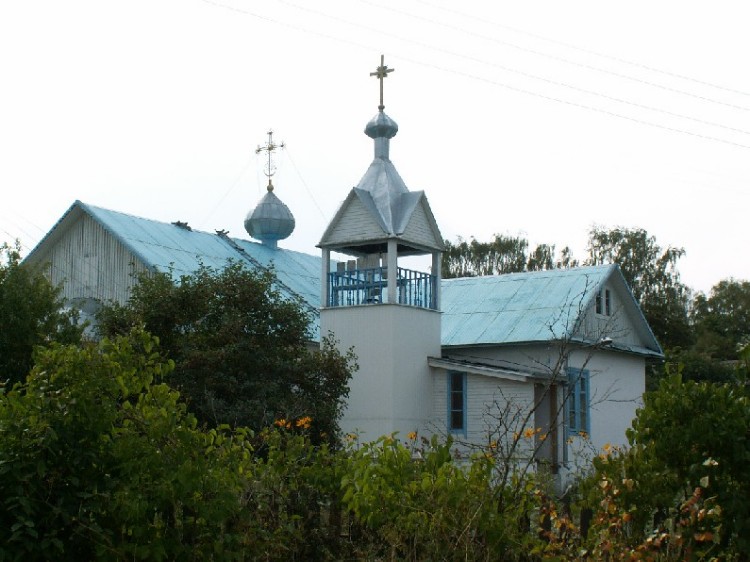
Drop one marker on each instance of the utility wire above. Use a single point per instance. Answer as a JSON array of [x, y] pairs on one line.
[[227, 192], [475, 77], [304, 183], [588, 51], [557, 58], [525, 74]]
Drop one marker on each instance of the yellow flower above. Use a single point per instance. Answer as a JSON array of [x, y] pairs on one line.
[[280, 423], [304, 422], [529, 432], [412, 435]]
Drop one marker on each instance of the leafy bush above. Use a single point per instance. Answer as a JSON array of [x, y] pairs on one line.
[[98, 460], [683, 485], [241, 349], [31, 314], [419, 503]]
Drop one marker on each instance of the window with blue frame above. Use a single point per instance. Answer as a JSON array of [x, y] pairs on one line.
[[578, 402], [457, 401]]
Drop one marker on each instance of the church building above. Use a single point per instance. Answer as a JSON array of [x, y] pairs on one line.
[[553, 360]]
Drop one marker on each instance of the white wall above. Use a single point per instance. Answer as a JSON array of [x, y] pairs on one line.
[[392, 390], [616, 386], [617, 382]]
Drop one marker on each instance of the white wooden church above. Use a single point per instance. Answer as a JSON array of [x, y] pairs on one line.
[[558, 356]]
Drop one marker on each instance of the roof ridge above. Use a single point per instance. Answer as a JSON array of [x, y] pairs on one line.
[[259, 265], [538, 272]]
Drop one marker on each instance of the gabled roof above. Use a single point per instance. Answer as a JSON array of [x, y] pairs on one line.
[[163, 247], [540, 306], [359, 227], [514, 308]]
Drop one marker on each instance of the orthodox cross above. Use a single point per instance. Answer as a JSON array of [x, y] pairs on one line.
[[269, 148], [381, 72]]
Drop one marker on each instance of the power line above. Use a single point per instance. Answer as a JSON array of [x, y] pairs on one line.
[[589, 51], [526, 74], [472, 76], [557, 57], [304, 183], [580, 105], [554, 82], [228, 191]]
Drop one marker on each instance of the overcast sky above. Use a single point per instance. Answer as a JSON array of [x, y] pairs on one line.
[[533, 118]]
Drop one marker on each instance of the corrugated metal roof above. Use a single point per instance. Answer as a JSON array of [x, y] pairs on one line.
[[165, 247], [517, 307], [501, 309]]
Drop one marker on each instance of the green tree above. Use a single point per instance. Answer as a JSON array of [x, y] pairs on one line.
[[651, 273], [690, 446], [722, 319], [31, 314], [98, 460], [503, 254], [699, 363], [241, 350]]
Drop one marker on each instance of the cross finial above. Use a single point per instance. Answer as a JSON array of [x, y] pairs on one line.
[[380, 73], [269, 148]]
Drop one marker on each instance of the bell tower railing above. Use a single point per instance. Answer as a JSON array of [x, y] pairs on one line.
[[352, 286]]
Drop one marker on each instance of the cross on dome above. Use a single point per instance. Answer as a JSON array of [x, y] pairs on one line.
[[269, 148], [380, 73], [271, 220]]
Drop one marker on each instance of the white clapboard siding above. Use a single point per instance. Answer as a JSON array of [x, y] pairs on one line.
[[485, 397], [355, 224], [419, 229], [88, 262]]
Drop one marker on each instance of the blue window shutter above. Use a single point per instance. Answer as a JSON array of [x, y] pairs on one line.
[[578, 397]]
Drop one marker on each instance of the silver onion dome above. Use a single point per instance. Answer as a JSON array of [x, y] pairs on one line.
[[381, 126], [271, 220]]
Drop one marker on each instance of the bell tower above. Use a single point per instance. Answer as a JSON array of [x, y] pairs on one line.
[[390, 315]]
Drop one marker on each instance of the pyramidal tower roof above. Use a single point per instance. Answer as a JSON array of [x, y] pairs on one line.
[[270, 220], [383, 195], [381, 181]]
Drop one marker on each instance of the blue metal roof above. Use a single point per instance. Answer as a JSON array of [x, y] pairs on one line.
[[164, 247], [502, 309], [517, 307]]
